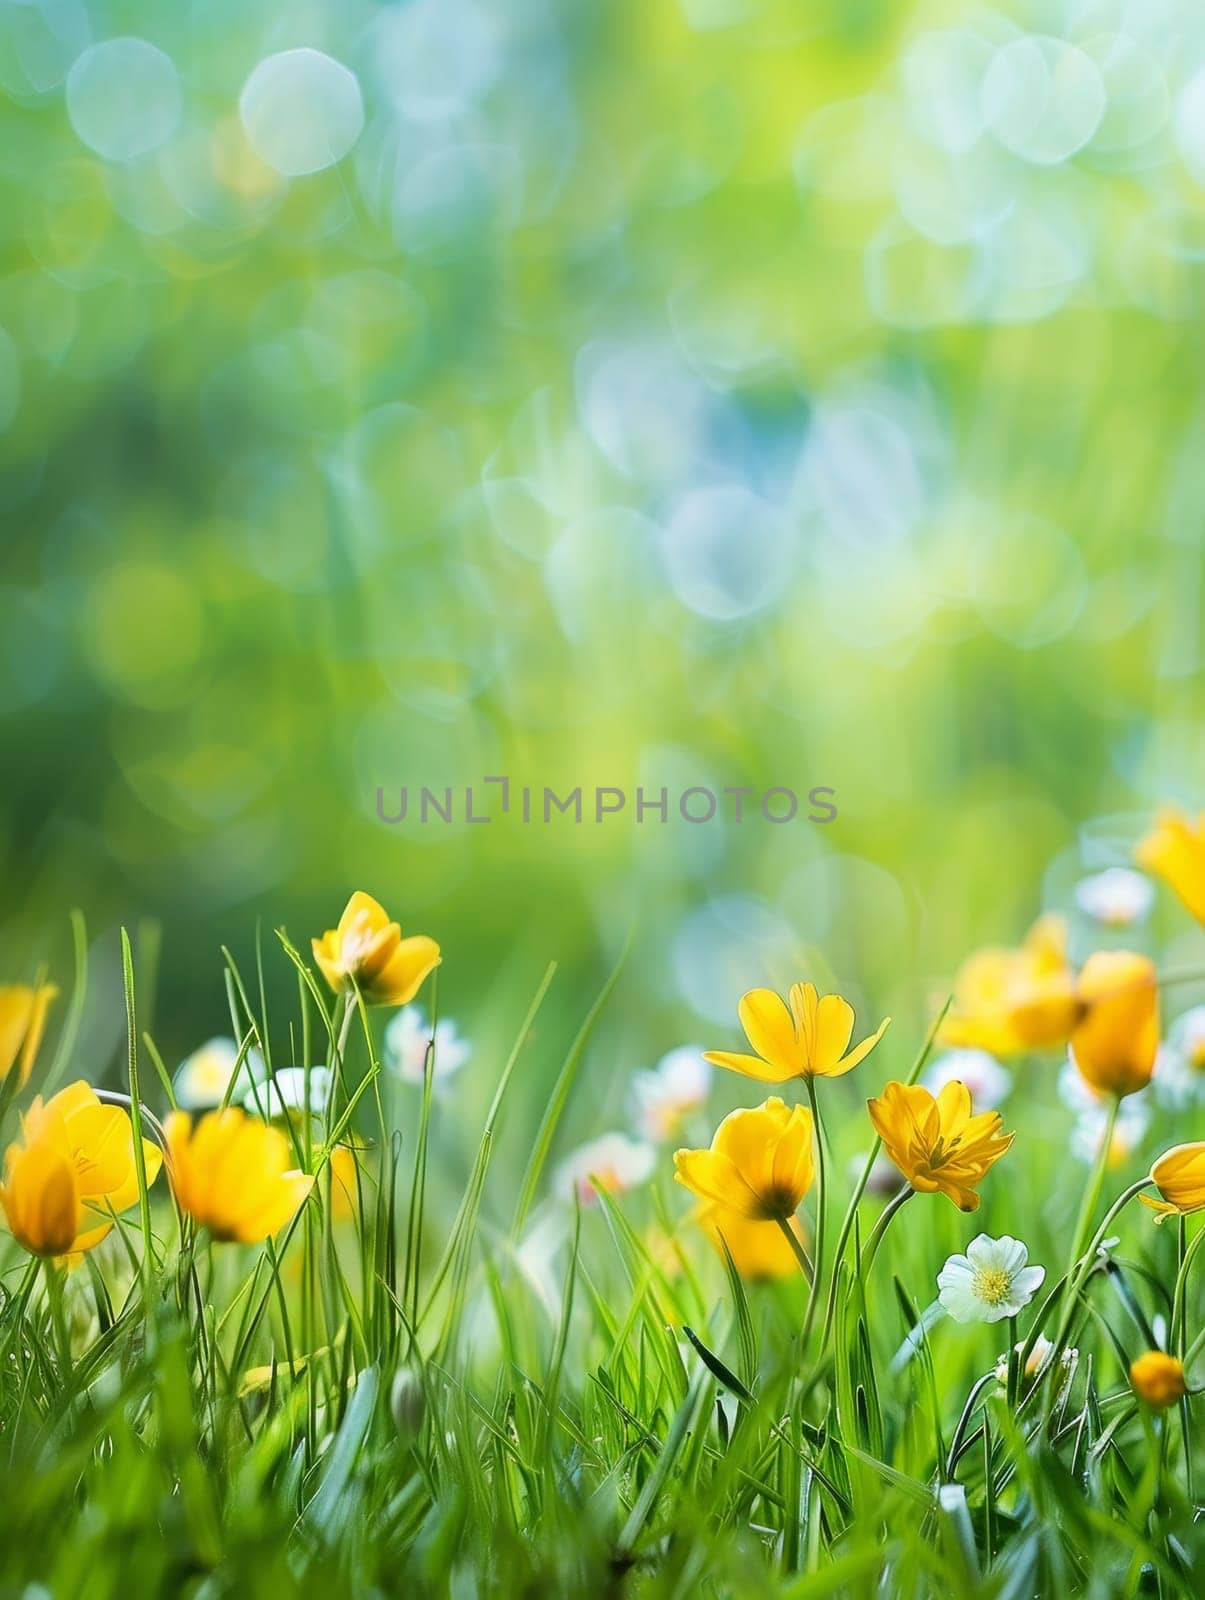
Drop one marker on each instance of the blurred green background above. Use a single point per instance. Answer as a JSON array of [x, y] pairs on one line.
[[722, 392]]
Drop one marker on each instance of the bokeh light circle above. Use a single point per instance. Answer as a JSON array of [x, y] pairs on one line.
[[123, 98], [727, 552], [1043, 99], [302, 111]]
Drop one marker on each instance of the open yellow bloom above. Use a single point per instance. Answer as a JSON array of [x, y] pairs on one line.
[[232, 1174], [1179, 1176], [73, 1171], [809, 1040], [759, 1163], [22, 1023], [758, 1250], [1158, 1379], [368, 950], [1175, 852], [1006, 1001], [937, 1142], [1117, 1038]]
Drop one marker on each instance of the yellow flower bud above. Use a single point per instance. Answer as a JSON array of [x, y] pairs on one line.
[[1115, 1043], [1158, 1379]]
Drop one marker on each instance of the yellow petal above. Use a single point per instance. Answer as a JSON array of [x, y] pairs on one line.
[[770, 1030], [410, 965], [860, 1051], [750, 1066]]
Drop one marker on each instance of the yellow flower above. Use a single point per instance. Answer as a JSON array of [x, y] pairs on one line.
[[1175, 852], [232, 1174], [759, 1163], [810, 1040], [936, 1142], [1179, 1176], [22, 1023], [1117, 1038], [1158, 1379], [758, 1250], [368, 950], [74, 1166], [1006, 1001]]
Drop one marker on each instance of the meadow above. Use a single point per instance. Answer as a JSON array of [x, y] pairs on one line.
[[775, 427], [241, 1355]]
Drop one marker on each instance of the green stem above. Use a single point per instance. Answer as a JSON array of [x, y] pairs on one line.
[[1092, 1193], [801, 1255], [821, 1193], [918, 1066], [1014, 1364], [1078, 1273], [54, 1296], [144, 1199], [866, 1260]]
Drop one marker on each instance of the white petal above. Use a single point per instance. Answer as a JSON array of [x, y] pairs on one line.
[[1013, 1255], [961, 1302], [981, 1251]]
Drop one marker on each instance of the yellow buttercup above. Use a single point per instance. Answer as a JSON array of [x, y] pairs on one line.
[[1010, 1000], [759, 1163], [937, 1141], [233, 1175], [72, 1172], [808, 1039], [367, 950]]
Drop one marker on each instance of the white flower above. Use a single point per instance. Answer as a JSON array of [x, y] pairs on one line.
[[1092, 1118], [990, 1282], [1038, 1357], [1118, 896], [1128, 1132], [284, 1092], [613, 1163], [1179, 1079], [983, 1075], [406, 1041], [676, 1086], [202, 1079]]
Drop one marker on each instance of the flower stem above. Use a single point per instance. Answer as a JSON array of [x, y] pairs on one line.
[[880, 1228], [1014, 1364], [851, 1209], [801, 1255], [809, 1316], [1079, 1269]]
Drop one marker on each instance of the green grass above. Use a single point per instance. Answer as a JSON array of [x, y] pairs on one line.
[[419, 1401]]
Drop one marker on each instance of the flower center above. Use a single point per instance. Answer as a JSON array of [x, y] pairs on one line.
[[991, 1285]]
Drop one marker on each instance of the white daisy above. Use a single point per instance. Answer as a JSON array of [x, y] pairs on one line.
[[1116, 897], [1179, 1079], [285, 1093], [990, 1282], [613, 1163], [202, 1078], [983, 1075], [406, 1041], [675, 1087]]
